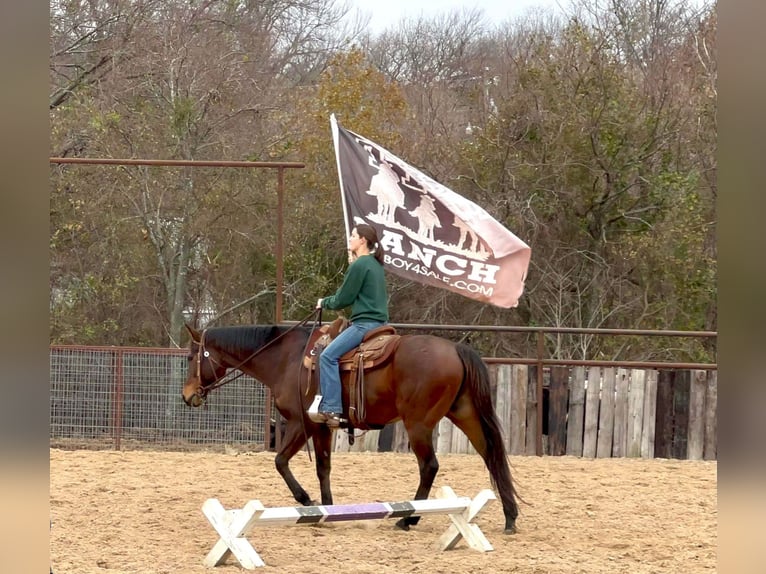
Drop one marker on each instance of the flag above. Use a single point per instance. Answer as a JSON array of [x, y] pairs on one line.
[[429, 233]]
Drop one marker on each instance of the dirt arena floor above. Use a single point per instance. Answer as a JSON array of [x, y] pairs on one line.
[[139, 512]]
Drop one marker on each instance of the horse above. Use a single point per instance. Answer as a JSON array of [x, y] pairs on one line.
[[427, 378]]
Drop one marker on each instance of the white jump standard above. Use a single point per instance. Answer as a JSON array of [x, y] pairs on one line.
[[233, 525]]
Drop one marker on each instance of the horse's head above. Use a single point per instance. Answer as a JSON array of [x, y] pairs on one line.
[[206, 366]]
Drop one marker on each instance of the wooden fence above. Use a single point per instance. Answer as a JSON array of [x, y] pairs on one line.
[[593, 412], [130, 397]]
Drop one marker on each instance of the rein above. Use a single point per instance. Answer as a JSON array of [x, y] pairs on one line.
[[217, 383]]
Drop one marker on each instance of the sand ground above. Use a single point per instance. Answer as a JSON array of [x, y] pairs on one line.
[[139, 512]]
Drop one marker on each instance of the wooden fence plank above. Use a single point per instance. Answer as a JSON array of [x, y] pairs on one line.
[[460, 442], [711, 420], [444, 439], [575, 419], [532, 399], [371, 438], [592, 393], [557, 410], [663, 432], [681, 387], [697, 392], [606, 415], [492, 369], [636, 392], [620, 438], [340, 442], [504, 402], [650, 415], [519, 384], [363, 442], [401, 442], [385, 438]]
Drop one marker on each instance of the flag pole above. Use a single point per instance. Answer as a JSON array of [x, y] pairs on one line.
[[336, 142]]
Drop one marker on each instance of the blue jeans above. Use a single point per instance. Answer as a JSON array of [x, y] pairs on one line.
[[329, 373]]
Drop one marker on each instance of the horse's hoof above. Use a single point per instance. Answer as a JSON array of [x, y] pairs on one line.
[[401, 524], [510, 530]]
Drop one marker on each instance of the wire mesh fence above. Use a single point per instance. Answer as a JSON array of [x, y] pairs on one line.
[[122, 398]]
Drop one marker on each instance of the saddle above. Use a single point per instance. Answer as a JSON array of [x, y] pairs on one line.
[[375, 351]]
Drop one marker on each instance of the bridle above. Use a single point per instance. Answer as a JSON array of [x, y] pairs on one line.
[[203, 390]]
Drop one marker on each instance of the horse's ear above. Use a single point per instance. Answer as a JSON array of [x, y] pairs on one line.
[[196, 337]]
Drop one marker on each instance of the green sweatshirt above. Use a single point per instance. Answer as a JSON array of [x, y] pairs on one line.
[[364, 290]]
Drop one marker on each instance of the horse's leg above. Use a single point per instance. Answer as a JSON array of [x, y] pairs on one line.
[[292, 442], [421, 443], [322, 445], [465, 416]]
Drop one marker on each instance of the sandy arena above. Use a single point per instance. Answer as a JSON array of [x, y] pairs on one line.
[[139, 512]]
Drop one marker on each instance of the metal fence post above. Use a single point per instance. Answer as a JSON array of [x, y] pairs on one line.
[[118, 397], [540, 355]]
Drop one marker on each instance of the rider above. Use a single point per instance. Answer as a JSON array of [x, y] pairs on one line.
[[364, 290]]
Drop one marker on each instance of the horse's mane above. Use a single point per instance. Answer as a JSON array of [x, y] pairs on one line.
[[244, 338]]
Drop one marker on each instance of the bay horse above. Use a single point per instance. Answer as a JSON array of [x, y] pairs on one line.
[[427, 378]]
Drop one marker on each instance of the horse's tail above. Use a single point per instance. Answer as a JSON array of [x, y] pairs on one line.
[[476, 378]]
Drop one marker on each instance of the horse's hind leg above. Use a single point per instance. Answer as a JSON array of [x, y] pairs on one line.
[[292, 442], [421, 443], [488, 442]]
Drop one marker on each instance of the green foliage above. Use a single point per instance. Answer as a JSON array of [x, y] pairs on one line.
[[363, 101]]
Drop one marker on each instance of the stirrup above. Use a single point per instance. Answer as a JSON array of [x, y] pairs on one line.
[[313, 411], [332, 420]]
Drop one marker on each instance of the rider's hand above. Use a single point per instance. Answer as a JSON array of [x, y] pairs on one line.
[[319, 303]]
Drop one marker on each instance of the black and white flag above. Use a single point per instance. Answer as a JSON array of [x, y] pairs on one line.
[[430, 234]]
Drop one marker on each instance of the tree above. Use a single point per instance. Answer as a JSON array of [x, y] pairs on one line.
[[88, 38], [592, 137], [363, 100], [206, 83], [583, 155]]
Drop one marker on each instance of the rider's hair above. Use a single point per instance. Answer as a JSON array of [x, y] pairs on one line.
[[371, 237]]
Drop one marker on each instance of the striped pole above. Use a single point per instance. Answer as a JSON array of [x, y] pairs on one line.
[[234, 525]]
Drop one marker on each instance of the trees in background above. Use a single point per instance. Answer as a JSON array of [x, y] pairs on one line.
[[201, 80], [591, 136]]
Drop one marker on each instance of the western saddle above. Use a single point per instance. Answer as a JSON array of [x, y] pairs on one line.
[[375, 351]]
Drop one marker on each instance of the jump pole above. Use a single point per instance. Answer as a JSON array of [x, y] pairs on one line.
[[233, 525]]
